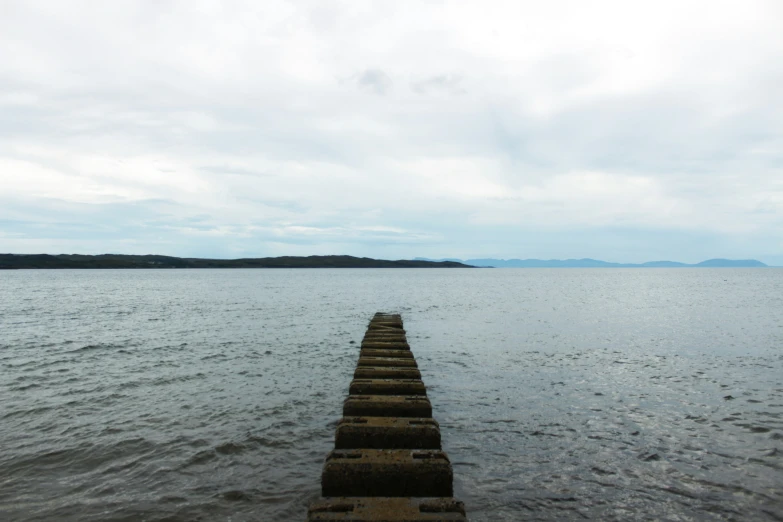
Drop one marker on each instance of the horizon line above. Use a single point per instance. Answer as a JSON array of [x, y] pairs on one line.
[[440, 259]]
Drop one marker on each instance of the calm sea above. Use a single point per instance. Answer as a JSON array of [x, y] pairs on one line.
[[563, 394]]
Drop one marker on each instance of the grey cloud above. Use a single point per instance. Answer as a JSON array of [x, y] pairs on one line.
[[375, 80], [449, 83], [234, 171]]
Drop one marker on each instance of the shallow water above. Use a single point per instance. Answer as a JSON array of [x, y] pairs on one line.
[[561, 394]]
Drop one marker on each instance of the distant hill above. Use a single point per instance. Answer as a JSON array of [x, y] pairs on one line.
[[595, 263], [731, 263], [18, 261]]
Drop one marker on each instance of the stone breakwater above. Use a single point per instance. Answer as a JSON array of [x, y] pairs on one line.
[[387, 464]]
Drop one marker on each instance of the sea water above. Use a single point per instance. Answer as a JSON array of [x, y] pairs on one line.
[[562, 394]]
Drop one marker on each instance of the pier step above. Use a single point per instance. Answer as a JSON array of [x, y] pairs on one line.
[[387, 361], [387, 433], [387, 473], [386, 372], [386, 343], [387, 387], [378, 352], [387, 464], [388, 509], [387, 406]]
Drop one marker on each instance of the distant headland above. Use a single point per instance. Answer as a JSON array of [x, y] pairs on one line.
[[595, 263], [26, 261]]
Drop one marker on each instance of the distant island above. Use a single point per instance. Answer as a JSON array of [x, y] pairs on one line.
[[594, 263], [26, 261]]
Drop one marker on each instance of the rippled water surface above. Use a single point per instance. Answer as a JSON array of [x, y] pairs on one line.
[[562, 394]]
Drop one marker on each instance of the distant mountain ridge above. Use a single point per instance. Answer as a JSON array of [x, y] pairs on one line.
[[595, 263], [22, 261]]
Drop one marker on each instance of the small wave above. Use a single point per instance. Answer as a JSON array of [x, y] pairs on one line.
[[230, 448], [214, 356], [30, 386], [202, 457], [118, 347], [160, 381], [31, 411], [235, 495], [79, 458], [88, 348], [268, 442]]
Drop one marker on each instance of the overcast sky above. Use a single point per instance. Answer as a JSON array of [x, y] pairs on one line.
[[624, 131]]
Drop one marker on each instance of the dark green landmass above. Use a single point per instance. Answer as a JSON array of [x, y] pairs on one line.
[[19, 261]]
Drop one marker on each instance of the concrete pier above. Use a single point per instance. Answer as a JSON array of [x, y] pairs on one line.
[[387, 464]]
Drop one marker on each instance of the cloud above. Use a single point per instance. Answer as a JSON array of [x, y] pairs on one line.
[[375, 80], [448, 83], [469, 129]]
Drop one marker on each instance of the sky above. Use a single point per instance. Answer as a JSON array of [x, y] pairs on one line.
[[623, 131]]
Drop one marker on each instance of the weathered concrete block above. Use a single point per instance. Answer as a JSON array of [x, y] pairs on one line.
[[389, 328], [379, 315], [387, 387], [387, 433], [387, 406], [387, 317], [394, 321], [384, 472], [396, 354], [377, 325], [387, 361], [386, 372], [385, 337], [387, 509], [385, 327], [387, 314], [386, 345], [383, 343]]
